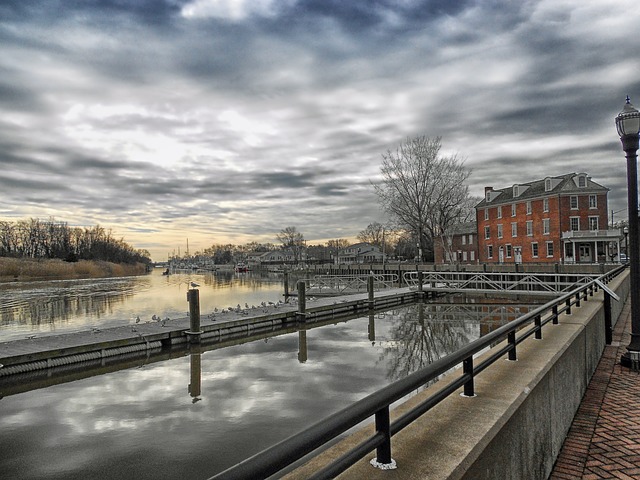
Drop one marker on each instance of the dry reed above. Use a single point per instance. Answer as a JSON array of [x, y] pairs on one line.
[[19, 269]]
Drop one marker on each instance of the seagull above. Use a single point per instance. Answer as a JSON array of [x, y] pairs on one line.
[[155, 317], [194, 285], [138, 319]]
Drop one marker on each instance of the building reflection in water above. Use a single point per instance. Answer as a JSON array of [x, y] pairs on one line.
[[423, 333]]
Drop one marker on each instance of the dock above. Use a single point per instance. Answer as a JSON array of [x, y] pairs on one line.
[[103, 345]]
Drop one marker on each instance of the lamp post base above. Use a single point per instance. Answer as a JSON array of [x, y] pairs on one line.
[[631, 359]]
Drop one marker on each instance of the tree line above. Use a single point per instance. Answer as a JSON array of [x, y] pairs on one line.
[[34, 238]]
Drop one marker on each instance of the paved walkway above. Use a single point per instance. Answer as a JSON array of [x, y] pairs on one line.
[[604, 438]]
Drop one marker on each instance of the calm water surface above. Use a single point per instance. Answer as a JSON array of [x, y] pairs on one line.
[[52, 307], [194, 416]]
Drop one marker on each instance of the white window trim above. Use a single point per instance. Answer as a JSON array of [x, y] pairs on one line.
[[514, 229], [597, 219], [545, 204], [500, 211], [546, 226], [529, 231], [552, 248], [571, 222], [533, 254], [595, 201], [513, 209], [486, 214], [577, 207], [529, 208], [499, 230]]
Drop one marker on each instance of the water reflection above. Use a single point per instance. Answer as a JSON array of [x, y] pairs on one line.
[[211, 407], [51, 307], [423, 333]]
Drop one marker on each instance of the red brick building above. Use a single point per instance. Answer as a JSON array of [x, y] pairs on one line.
[[556, 219], [461, 245]]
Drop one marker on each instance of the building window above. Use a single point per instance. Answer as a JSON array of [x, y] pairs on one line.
[[549, 249], [593, 201], [529, 207], [509, 250], [534, 250], [489, 251], [593, 223], [486, 214], [470, 238], [464, 256], [499, 230], [573, 201], [514, 229], [516, 191], [473, 255], [575, 224], [487, 232], [546, 228], [513, 209], [582, 181], [464, 239], [530, 228], [547, 185], [545, 205], [500, 212]]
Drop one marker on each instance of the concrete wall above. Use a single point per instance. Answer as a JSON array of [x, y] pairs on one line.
[[515, 427]]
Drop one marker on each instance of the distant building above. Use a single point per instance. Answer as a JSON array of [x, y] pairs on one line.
[[460, 245], [360, 253], [555, 219]]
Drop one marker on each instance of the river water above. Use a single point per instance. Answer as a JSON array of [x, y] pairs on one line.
[[195, 415], [64, 306]]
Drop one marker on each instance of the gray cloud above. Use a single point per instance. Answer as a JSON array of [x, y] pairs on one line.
[[191, 119]]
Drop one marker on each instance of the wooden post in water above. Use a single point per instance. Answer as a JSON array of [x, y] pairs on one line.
[[371, 291], [302, 301], [286, 285], [193, 297]]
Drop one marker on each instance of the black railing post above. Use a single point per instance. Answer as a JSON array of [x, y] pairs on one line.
[[578, 299], [568, 309], [554, 309], [608, 327], [467, 369], [511, 338], [383, 452], [538, 323]]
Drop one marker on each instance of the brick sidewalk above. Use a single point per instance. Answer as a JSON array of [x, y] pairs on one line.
[[604, 439]]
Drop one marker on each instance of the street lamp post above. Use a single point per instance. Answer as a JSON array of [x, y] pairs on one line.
[[628, 126], [625, 231]]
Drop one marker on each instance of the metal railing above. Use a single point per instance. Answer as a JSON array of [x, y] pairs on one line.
[[344, 284], [550, 283], [274, 459]]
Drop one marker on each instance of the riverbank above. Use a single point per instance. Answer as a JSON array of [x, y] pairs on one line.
[[28, 269]]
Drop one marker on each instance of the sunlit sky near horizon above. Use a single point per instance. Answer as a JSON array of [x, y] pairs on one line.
[[225, 121]]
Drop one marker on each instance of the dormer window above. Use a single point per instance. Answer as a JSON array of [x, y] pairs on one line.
[[516, 191], [547, 185], [582, 181]]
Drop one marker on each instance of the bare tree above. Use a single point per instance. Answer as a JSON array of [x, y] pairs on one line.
[[373, 234], [293, 240], [335, 246], [423, 191]]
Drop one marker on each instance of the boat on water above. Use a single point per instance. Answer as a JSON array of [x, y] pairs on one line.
[[241, 267]]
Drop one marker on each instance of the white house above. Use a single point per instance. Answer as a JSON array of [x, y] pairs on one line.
[[360, 253]]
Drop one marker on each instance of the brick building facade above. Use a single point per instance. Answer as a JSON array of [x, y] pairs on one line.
[[461, 245], [555, 219]]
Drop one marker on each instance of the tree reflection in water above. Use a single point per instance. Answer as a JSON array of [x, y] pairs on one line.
[[423, 333]]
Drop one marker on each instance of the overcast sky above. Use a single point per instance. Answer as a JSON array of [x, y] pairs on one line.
[[228, 120]]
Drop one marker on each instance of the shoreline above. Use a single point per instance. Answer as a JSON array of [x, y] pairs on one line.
[[29, 269]]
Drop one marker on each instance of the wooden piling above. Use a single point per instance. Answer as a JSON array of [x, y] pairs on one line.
[[193, 297]]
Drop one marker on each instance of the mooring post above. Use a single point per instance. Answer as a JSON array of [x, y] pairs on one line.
[[193, 297], [286, 285], [420, 283], [302, 301], [370, 291]]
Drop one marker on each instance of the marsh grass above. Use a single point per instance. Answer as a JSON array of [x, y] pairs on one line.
[[19, 269]]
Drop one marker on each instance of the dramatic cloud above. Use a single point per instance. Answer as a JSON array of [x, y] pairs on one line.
[[229, 120]]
